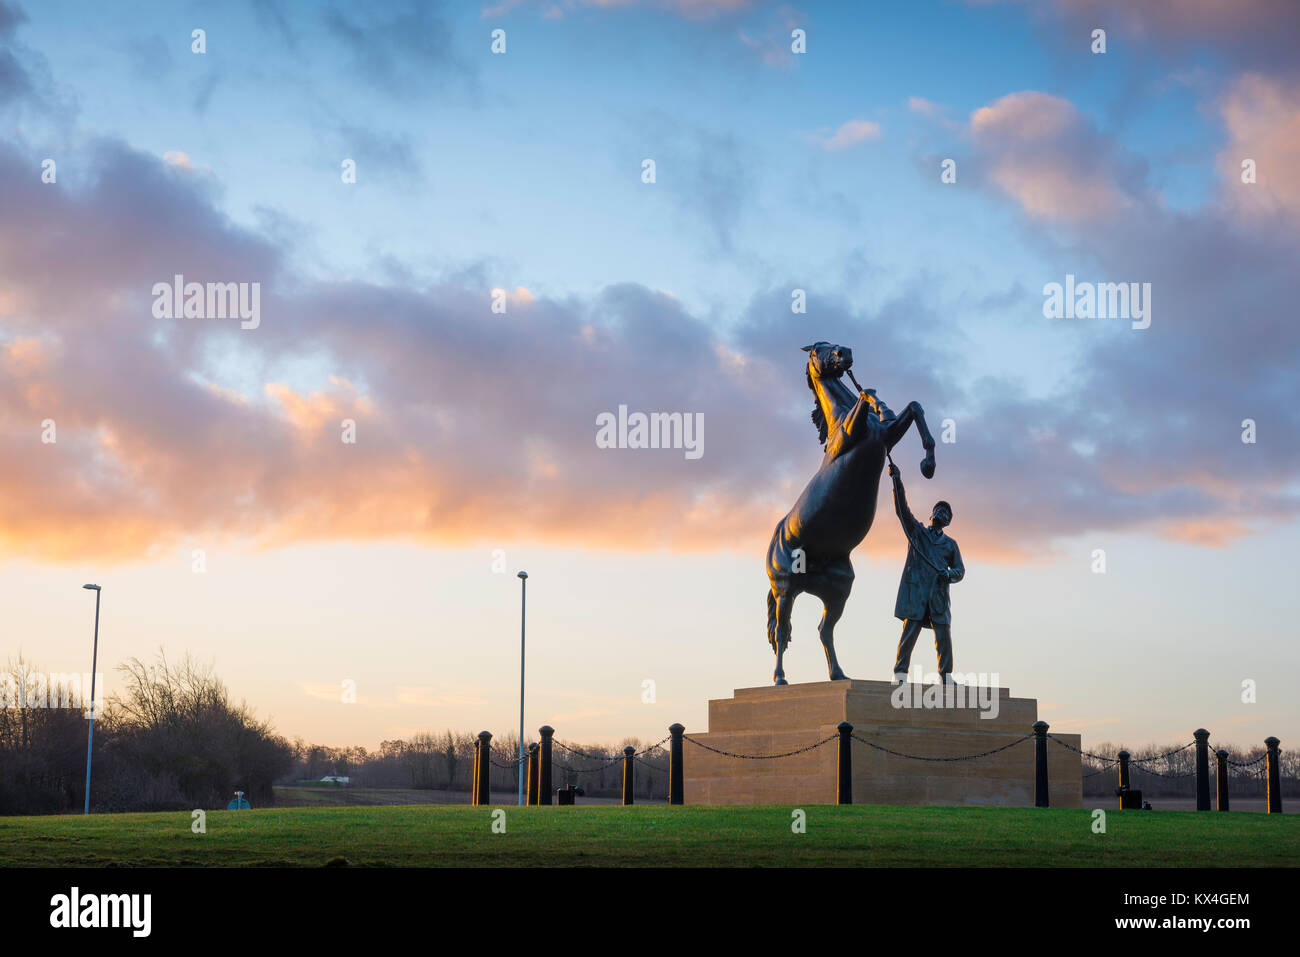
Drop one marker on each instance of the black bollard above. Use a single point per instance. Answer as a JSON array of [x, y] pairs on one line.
[[1124, 790], [628, 779], [1202, 769], [1129, 799], [483, 792], [1040, 763], [844, 773], [1274, 776], [473, 784], [1221, 779], [675, 764], [533, 774], [544, 777]]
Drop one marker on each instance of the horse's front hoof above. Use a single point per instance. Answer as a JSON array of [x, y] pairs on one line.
[[779, 680], [838, 675], [927, 466]]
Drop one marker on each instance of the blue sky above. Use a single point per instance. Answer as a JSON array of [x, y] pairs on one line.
[[522, 172], [468, 158]]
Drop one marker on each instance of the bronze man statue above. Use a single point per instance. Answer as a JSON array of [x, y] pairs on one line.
[[933, 562]]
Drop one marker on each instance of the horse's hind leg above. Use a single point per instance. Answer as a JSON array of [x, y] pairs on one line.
[[832, 610], [783, 605]]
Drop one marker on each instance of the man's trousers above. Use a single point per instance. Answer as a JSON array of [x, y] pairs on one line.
[[942, 646]]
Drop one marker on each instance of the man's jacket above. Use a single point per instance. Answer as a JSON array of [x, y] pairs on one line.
[[923, 591]]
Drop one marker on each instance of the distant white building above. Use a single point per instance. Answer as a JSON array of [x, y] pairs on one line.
[[335, 779]]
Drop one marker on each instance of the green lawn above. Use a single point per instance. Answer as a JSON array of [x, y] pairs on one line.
[[422, 835], [289, 796]]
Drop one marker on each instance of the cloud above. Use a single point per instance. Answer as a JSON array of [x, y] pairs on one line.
[[14, 81], [475, 427], [1251, 34], [919, 104], [378, 150], [26, 89], [692, 9], [204, 88], [773, 51], [1161, 454], [10, 16], [478, 427], [1262, 118], [1041, 151], [709, 177], [321, 691], [398, 48], [519, 297], [468, 424], [851, 134]]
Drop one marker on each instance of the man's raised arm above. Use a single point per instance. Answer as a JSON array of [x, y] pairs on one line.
[[900, 502]]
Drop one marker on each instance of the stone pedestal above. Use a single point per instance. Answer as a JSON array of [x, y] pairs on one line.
[[968, 721]]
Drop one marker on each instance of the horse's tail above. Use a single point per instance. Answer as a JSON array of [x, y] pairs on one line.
[[771, 618]]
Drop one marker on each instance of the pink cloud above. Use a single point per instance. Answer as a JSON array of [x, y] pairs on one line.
[[851, 134], [1047, 156], [472, 427], [1262, 118]]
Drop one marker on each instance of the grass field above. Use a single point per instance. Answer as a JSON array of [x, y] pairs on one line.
[[298, 796], [858, 836]]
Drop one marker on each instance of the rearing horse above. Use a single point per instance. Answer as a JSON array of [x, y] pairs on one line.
[[811, 545]]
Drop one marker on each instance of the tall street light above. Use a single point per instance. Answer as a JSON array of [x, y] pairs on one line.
[[94, 663], [523, 605]]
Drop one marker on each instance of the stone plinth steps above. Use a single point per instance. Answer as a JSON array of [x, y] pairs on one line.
[[771, 720]]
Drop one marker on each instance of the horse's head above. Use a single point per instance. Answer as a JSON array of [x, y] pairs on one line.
[[827, 364], [827, 361]]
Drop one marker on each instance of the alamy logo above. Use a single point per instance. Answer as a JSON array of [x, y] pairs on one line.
[[179, 299], [39, 689], [1103, 300], [925, 692], [658, 430], [102, 910]]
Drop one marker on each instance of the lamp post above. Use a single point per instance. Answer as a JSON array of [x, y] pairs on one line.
[[94, 663], [523, 605]]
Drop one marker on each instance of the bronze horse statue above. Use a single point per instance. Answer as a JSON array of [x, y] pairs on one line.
[[811, 545]]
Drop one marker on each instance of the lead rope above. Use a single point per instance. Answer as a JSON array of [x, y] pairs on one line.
[[919, 551]]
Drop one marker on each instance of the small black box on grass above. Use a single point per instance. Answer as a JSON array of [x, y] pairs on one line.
[[1131, 799]]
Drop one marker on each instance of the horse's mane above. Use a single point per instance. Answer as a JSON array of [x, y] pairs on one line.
[[818, 416]]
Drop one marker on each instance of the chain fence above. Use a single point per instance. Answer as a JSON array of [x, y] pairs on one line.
[[1253, 769], [608, 762], [762, 757], [960, 757]]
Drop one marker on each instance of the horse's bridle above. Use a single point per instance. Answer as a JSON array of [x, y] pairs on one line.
[[876, 405]]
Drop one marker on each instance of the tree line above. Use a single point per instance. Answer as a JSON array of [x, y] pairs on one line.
[[444, 762], [1173, 775], [172, 739]]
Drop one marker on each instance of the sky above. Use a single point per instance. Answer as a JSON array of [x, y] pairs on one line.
[[458, 252]]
